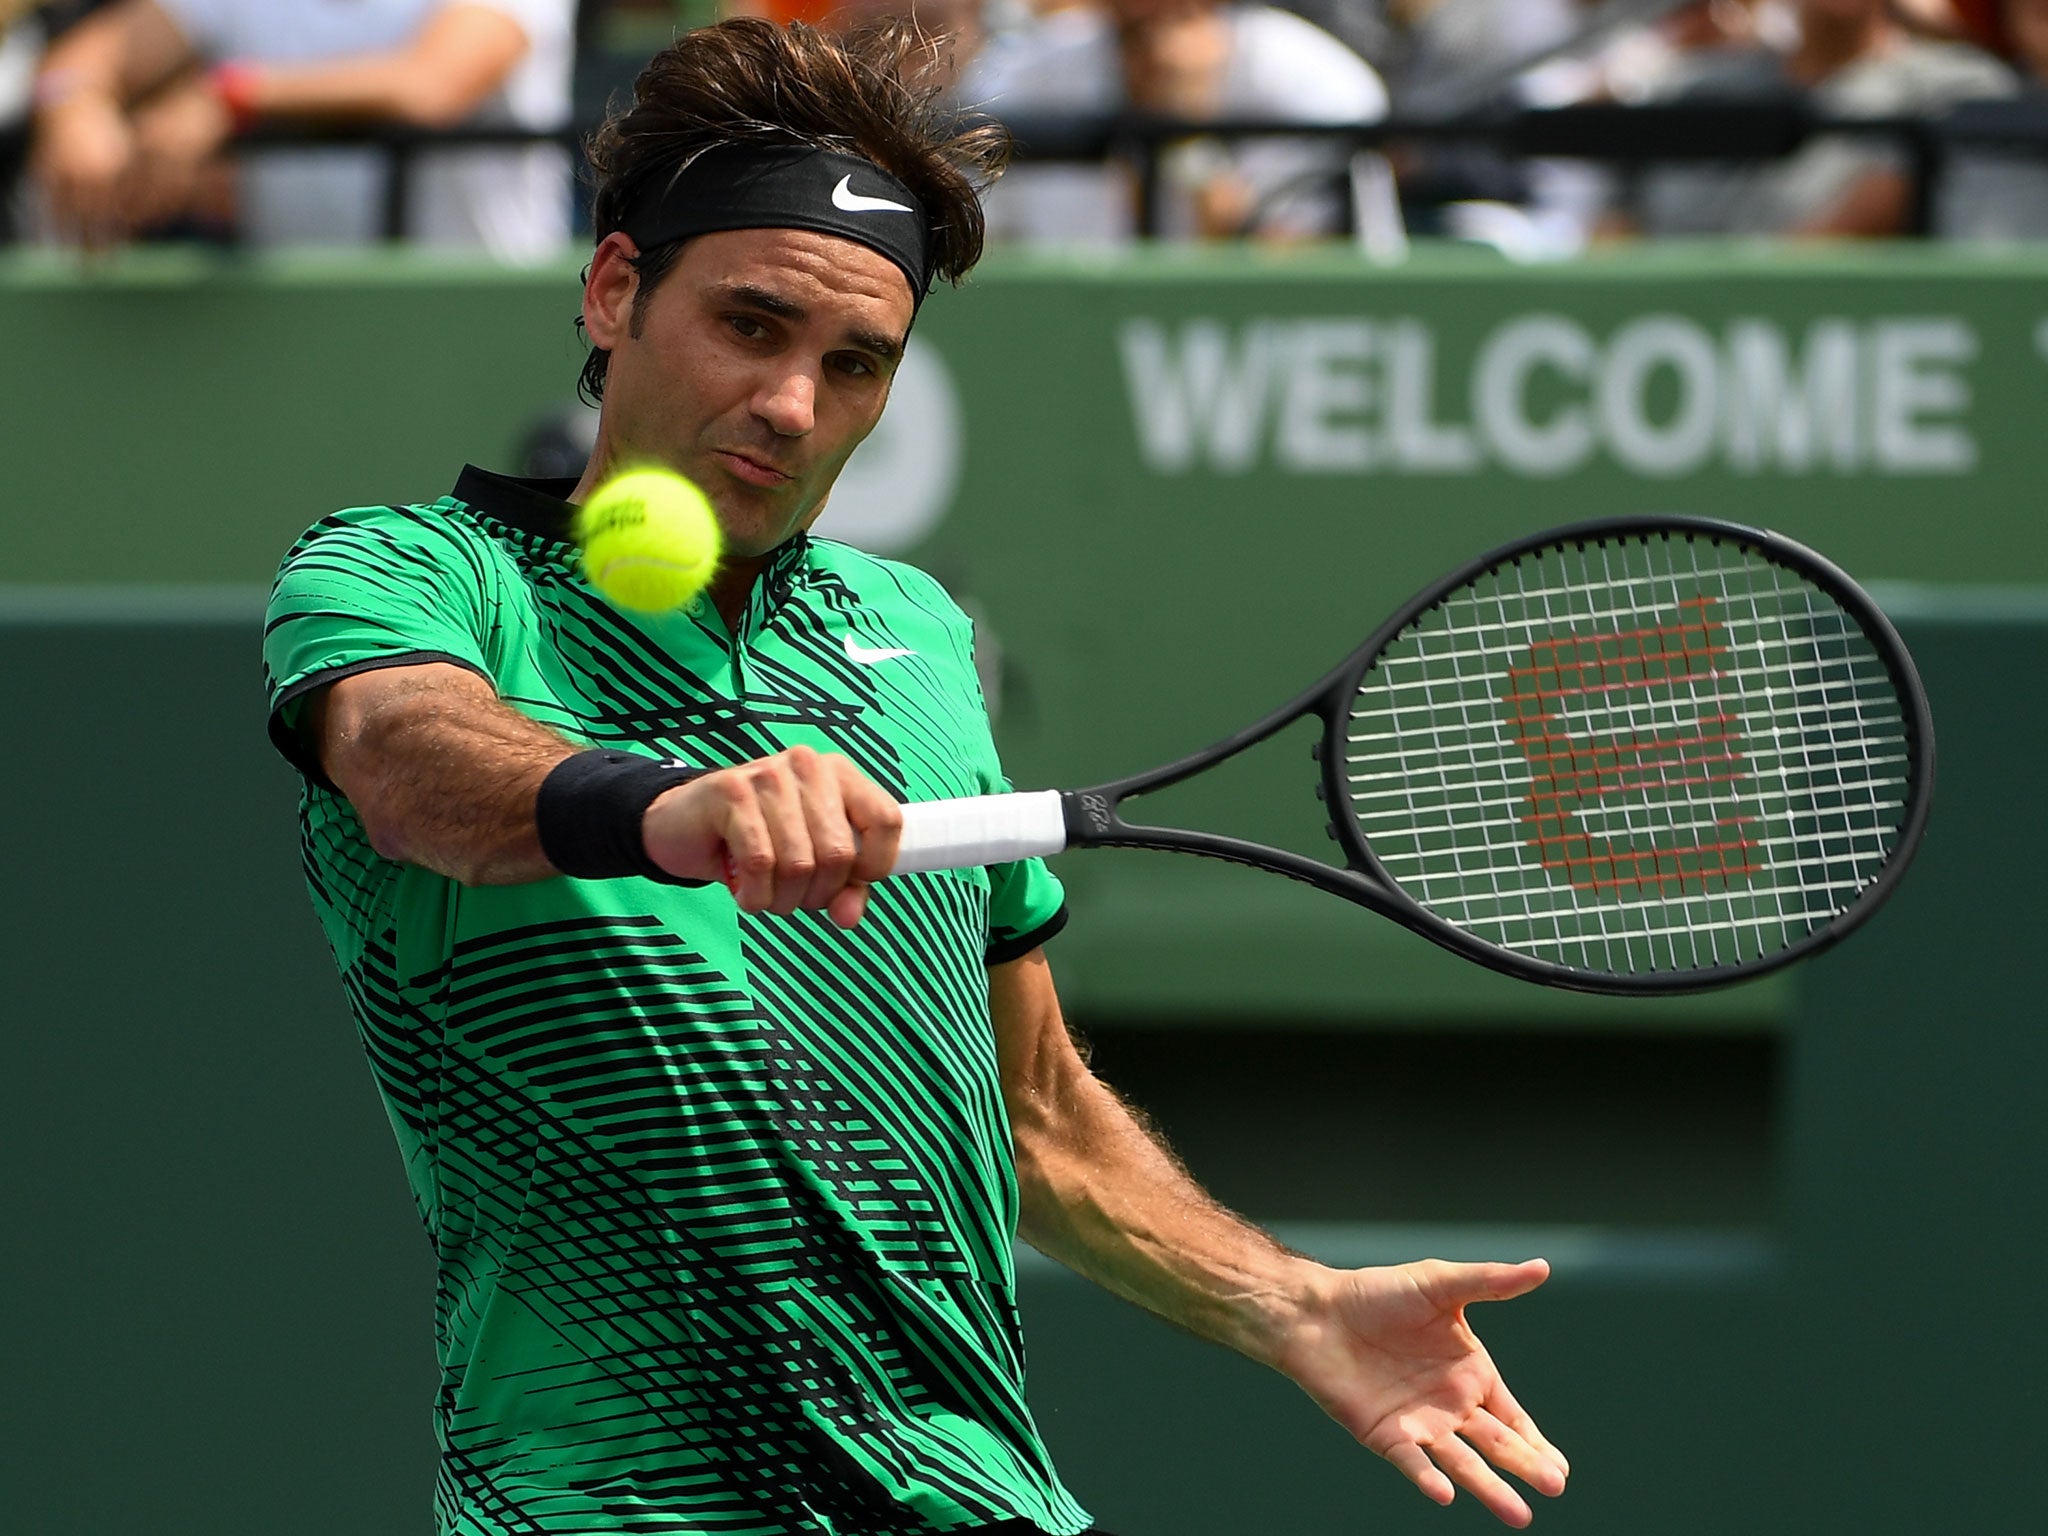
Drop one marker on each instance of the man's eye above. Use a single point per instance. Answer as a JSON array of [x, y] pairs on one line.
[[748, 327], [855, 364]]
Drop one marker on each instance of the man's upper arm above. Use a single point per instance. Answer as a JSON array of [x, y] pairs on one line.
[[366, 590], [1035, 1053], [334, 714]]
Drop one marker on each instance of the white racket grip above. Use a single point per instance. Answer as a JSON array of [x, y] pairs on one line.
[[980, 829]]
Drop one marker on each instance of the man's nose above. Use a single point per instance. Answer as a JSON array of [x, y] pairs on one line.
[[789, 404]]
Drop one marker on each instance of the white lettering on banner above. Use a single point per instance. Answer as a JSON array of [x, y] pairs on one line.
[[1638, 350], [1660, 395], [1501, 387], [1793, 418], [1204, 398], [1914, 369], [1322, 427], [1416, 442]]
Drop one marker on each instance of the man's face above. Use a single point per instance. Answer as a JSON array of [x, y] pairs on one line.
[[755, 367]]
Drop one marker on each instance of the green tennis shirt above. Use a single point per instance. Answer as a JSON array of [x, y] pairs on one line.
[[722, 1204]]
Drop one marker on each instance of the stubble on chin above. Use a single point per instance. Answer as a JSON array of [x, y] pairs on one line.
[[756, 525]]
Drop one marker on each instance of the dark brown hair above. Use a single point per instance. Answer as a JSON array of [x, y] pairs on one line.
[[751, 80]]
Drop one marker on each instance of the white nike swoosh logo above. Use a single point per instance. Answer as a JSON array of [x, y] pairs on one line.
[[843, 196], [867, 656]]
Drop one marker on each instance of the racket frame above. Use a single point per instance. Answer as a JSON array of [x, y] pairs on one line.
[[1094, 819]]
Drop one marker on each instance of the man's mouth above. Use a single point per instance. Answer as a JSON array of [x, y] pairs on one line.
[[750, 469]]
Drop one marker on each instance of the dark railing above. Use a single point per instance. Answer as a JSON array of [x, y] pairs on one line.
[[1749, 130], [1650, 134], [403, 146]]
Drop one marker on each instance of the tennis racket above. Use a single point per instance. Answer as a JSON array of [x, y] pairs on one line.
[[1635, 756]]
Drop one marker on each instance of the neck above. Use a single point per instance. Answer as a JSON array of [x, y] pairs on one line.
[[595, 472], [734, 582], [731, 587]]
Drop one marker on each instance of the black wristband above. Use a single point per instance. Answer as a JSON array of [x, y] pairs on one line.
[[590, 809]]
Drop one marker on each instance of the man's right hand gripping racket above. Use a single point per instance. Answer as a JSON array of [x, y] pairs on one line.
[[1639, 755]]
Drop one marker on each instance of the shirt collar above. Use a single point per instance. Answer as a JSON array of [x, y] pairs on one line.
[[539, 507], [542, 508], [785, 564]]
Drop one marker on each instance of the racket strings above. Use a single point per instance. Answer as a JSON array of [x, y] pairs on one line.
[[1635, 754]]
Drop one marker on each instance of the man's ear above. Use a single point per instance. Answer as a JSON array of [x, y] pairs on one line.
[[608, 291]]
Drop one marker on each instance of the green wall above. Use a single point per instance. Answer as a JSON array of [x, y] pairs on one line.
[[1793, 1226]]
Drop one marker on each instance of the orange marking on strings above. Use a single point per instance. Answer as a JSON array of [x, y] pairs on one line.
[[1670, 765], [1581, 748]]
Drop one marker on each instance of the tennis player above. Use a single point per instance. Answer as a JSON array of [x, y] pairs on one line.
[[723, 1178]]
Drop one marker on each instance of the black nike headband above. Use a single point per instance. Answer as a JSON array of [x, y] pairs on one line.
[[789, 186]]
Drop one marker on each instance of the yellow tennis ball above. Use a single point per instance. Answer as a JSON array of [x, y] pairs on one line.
[[650, 540]]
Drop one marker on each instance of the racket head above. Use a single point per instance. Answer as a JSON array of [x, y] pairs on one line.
[[1633, 756]]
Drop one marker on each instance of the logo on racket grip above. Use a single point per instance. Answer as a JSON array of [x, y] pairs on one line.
[[1095, 812], [1638, 780]]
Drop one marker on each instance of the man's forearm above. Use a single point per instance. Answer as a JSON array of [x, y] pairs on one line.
[[447, 776], [1102, 1195]]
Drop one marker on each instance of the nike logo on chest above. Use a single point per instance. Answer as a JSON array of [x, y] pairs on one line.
[[868, 655]]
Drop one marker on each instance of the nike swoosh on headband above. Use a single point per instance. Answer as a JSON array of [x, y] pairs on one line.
[[843, 196]]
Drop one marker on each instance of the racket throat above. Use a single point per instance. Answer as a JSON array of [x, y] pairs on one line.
[[1093, 822]]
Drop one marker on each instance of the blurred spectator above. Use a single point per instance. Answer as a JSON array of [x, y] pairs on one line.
[[1572, 202], [1453, 55], [1852, 59], [816, 13], [1192, 59], [955, 28], [21, 41], [21, 44], [1447, 58], [1665, 56], [135, 104], [2013, 29], [1950, 20], [2001, 194]]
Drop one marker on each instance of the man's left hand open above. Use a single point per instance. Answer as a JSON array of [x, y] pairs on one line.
[[1388, 1354]]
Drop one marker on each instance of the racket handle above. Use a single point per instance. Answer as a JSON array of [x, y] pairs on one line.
[[980, 829]]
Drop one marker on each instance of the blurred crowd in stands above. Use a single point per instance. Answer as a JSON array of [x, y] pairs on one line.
[[279, 122]]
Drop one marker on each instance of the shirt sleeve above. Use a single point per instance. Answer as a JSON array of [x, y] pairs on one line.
[[1027, 906], [368, 588], [1027, 903]]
